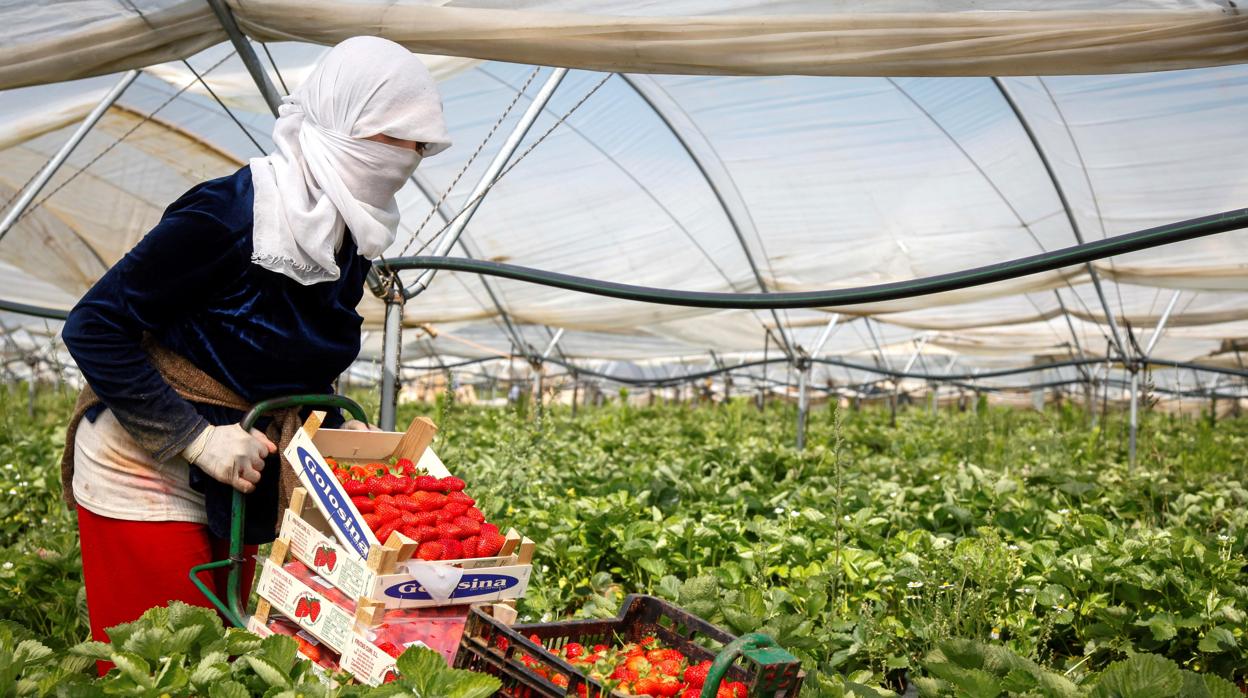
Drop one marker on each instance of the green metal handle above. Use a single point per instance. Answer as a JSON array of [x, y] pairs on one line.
[[236, 609], [746, 643]]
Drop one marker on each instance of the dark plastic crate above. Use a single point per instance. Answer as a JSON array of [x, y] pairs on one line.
[[491, 647]]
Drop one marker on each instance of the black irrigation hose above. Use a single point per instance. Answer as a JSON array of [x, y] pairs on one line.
[[1048, 261]]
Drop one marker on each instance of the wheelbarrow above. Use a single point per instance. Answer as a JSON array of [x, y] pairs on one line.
[[234, 608]]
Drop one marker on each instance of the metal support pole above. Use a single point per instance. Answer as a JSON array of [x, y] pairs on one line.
[[1135, 377], [45, 175], [489, 177], [391, 343], [803, 399], [1135, 416], [248, 54]]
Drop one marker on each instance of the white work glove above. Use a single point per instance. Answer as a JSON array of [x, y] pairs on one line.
[[231, 455], [357, 425]]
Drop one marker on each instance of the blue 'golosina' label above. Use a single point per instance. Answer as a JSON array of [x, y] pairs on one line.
[[471, 584], [331, 495]]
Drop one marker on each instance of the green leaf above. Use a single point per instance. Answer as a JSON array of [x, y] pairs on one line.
[[1218, 640], [92, 650], [240, 642], [149, 643], [228, 689], [183, 639], [31, 651], [1141, 676], [133, 667], [268, 671], [1217, 686], [281, 650]]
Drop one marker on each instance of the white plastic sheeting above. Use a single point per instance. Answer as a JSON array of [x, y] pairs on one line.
[[48, 41], [683, 181]]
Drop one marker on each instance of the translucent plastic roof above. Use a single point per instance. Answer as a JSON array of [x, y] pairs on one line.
[[712, 183]]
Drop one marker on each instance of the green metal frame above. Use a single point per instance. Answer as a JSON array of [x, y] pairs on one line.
[[235, 610]]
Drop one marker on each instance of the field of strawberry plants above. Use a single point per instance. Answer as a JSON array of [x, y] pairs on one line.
[[983, 553]]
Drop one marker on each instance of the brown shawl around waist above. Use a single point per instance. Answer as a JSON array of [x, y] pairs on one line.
[[196, 386]]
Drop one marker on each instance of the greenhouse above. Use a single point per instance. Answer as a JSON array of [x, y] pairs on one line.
[[888, 348]]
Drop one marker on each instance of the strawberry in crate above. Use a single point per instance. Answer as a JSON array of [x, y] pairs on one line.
[[643, 668], [433, 511]]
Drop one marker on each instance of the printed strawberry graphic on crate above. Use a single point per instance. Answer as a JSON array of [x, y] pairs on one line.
[[301, 607], [314, 610], [391, 675], [325, 557]]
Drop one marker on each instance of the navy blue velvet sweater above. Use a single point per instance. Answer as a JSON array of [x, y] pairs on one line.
[[190, 283]]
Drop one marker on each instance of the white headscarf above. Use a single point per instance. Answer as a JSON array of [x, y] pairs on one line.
[[324, 178]]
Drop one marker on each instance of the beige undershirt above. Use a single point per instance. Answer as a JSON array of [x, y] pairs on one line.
[[115, 478]]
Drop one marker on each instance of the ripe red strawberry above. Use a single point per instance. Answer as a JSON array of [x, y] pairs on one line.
[[639, 664], [735, 689], [405, 465], [383, 533], [669, 667], [623, 673], [429, 501], [599, 649], [412, 532], [359, 472], [475, 514], [448, 530], [696, 674], [393, 483], [456, 508], [431, 550], [648, 641], [656, 656], [489, 544], [668, 686], [406, 504], [408, 485], [375, 486], [445, 515], [451, 549], [355, 488], [390, 648], [427, 483], [470, 546], [408, 518], [692, 692], [426, 518], [388, 512], [453, 484], [559, 680], [426, 533], [364, 504], [372, 521], [468, 526], [458, 496], [572, 650], [488, 528], [646, 687], [342, 475]]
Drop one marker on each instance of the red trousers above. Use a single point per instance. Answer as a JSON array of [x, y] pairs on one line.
[[131, 566]]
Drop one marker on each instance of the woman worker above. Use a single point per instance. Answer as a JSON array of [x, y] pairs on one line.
[[245, 290]]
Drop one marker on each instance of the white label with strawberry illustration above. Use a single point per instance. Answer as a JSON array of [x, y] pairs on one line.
[[314, 613], [321, 553]]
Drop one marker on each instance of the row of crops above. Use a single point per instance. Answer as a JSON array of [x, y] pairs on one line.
[[968, 553]]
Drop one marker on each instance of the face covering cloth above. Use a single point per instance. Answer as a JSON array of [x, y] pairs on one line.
[[325, 179]]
